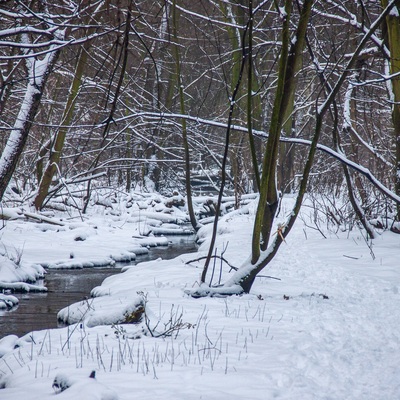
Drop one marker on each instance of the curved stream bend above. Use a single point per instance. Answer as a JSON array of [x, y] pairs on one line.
[[38, 311]]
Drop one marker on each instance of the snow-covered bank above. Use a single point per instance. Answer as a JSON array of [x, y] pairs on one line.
[[114, 231], [327, 330], [7, 301], [20, 276]]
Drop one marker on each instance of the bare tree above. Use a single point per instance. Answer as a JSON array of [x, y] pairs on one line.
[[262, 251], [37, 34], [39, 59]]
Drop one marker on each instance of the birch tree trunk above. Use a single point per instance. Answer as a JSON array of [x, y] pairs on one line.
[[38, 72]]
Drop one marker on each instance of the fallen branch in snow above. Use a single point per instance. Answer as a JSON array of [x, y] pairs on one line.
[[12, 214], [42, 218], [353, 258]]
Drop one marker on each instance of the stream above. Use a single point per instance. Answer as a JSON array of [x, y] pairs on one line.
[[37, 311]]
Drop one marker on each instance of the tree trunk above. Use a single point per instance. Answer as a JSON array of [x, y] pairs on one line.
[[56, 149], [349, 107], [185, 142], [393, 30], [39, 71], [250, 87], [244, 276], [268, 202], [242, 280]]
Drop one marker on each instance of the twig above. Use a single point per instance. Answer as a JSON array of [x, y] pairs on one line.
[[215, 256], [269, 277], [353, 258]]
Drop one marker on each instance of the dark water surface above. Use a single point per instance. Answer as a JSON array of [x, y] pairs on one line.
[[38, 311]]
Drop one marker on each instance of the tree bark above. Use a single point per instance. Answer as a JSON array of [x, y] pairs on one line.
[[56, 149], [39, 71], [393, 30], [268, 202], [245, 275], [185, 142]]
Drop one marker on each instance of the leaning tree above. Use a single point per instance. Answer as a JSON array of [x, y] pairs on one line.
[[265, 244]]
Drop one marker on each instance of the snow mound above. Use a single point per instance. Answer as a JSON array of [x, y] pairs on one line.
[[124, 256], [7, 344], [151, 241], [106, 310], [224, 227], [8, 301], [14, 276], [76, 264], [138, 250], [10, 213], [158, 216], [81, 387]]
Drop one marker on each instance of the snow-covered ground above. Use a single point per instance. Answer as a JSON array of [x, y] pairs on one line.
[[328, 329]]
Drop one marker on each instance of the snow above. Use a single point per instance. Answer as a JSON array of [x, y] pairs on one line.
[[105, 310], [82, 387], [282, 12], [75, 245], [394, 12], [328, 329], [7, 343], [12, 273], [7, 301], [10, 213]]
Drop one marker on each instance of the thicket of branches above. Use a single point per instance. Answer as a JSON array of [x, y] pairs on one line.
[[161, 94]]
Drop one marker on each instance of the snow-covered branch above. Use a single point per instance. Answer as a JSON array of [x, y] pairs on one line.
[[340, 157]]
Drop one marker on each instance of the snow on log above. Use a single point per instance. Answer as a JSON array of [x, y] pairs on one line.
[[103, 310]]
